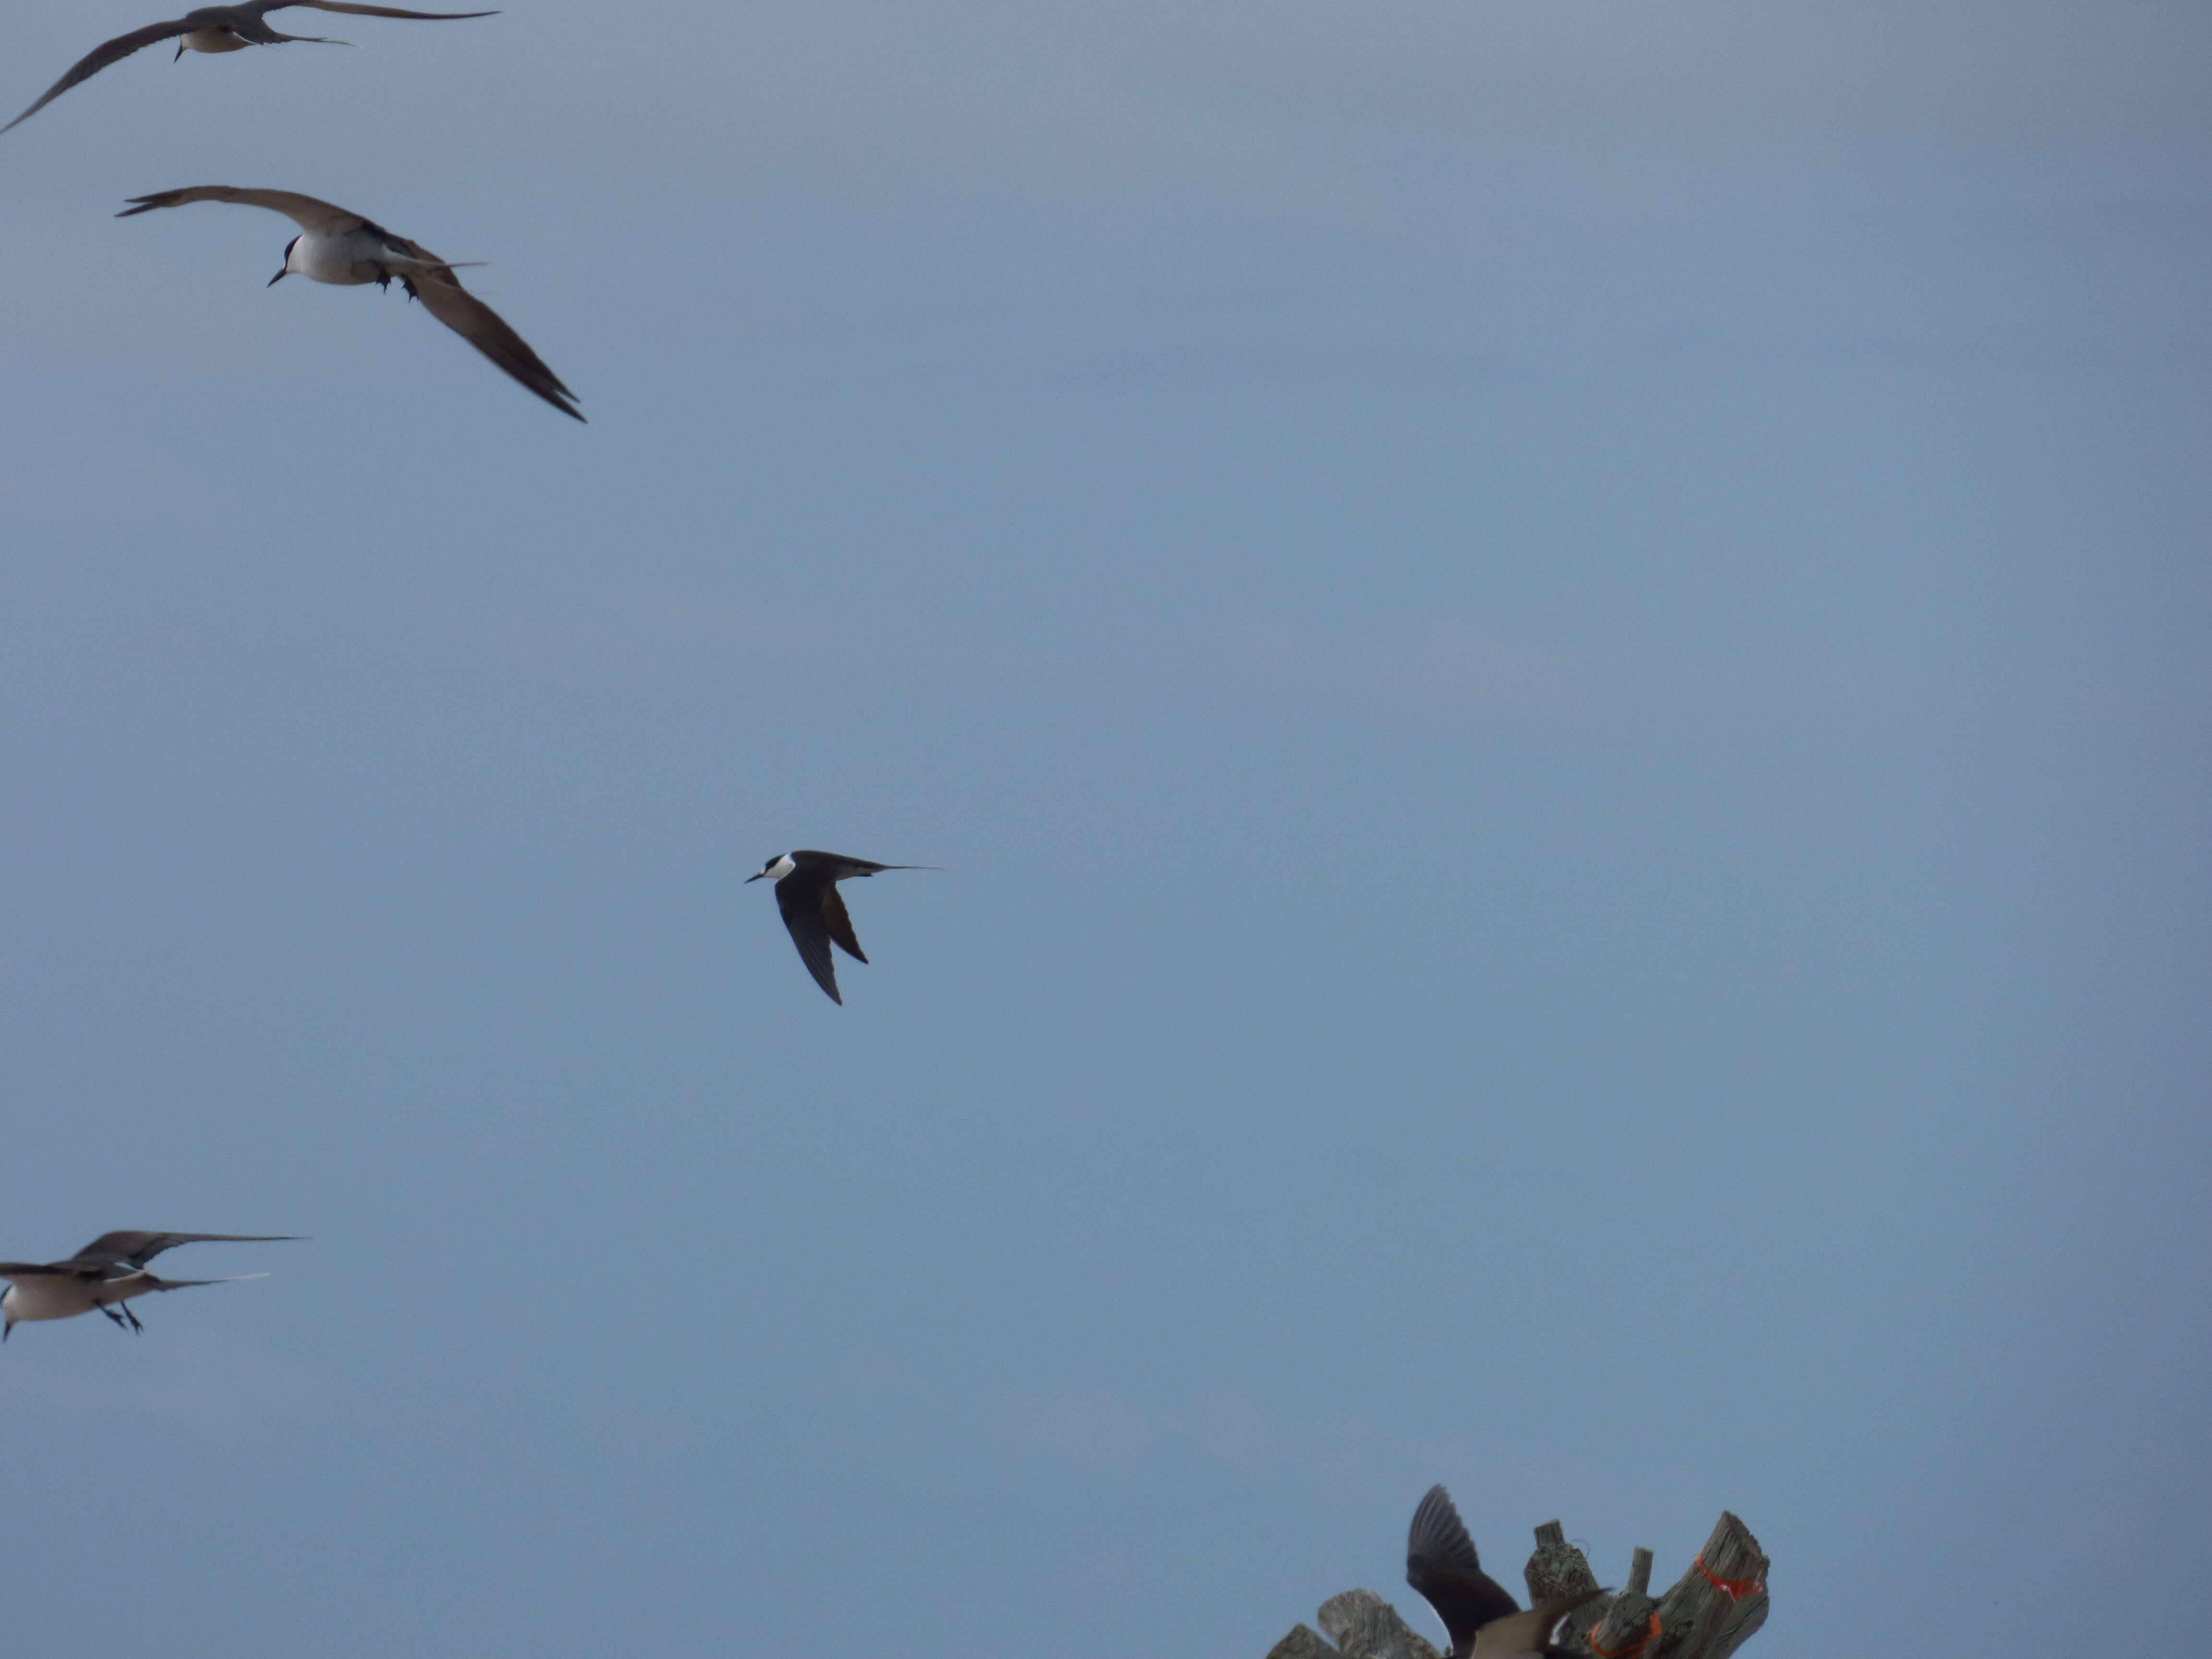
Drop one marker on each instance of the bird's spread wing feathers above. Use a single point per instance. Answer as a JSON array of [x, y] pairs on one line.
[[1441, 1565], [1439, 1536], [443, 298], [809, 931], [304, 211], [140, 1247], [373, 11], [36, 1269], [839, 923], [101, 57]]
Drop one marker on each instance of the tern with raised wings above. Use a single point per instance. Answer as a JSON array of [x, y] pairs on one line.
[[806, 893], [337, 245], [220, 28]]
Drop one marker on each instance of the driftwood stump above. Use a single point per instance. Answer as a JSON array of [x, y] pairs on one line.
[[1711, 1611]]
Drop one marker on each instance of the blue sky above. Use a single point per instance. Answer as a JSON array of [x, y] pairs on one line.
[[1558, 656]]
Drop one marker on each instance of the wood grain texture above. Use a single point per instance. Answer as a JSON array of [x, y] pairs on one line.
[[1302, 1643], [1366, 1626]]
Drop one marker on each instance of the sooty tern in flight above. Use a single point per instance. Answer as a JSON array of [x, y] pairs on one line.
[[105, 1274], [1484, 1621], [806, 893], [334, 245], [220, 28]]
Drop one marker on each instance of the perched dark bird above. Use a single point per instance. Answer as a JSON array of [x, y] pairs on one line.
[[1484, 1621], [220, 28], [806, 893], [334, 245], [105, 1274]]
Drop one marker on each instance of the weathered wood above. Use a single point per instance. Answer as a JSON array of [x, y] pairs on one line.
[[1366, 1626], [1710, 1611], [1302, 1643], [1624, 1628], [1715, 1606], [1556, 1568]]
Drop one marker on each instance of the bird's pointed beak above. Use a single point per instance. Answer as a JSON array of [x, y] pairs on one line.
[[180, 51], [278, 277], [750, 879], [5, 1330]]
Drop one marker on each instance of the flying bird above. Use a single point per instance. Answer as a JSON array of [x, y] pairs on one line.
[[105, 1274], [806, 894], [1484, 1621], [220, 28], [334, 245]]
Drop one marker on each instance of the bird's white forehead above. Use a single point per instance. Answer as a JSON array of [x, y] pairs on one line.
[[782, 868]]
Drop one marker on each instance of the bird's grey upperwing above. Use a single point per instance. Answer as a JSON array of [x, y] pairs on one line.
[[368, 11], [37, 1269], [305, 211], [809, 931], [140, 1247], [839, 921], [1526, 1635], [1440, 1563], [443, 298], [101, 57]]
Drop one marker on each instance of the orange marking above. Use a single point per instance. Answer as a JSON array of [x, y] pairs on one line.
[[1735, 1589]]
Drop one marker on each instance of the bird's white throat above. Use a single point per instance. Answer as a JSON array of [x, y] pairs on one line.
[[214, 40]]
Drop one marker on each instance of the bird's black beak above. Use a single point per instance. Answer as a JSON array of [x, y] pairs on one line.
[[278, 277], [5, 1330], [749, 880], [180, 51]]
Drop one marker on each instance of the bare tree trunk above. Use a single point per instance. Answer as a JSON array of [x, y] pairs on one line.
[[1711, 1611]]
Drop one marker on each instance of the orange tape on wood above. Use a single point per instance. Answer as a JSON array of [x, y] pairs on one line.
[[1735, 1589]]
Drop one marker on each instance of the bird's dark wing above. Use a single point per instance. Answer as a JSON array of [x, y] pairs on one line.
[[809, 931], [847, 868], [304, 211], [443, 298], [371, 11], [101, 57], [1526, 1635], [1441, 1565], [1439, 1536], [37, 1269], [139, 1249], [840, 924], [844, 867]]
